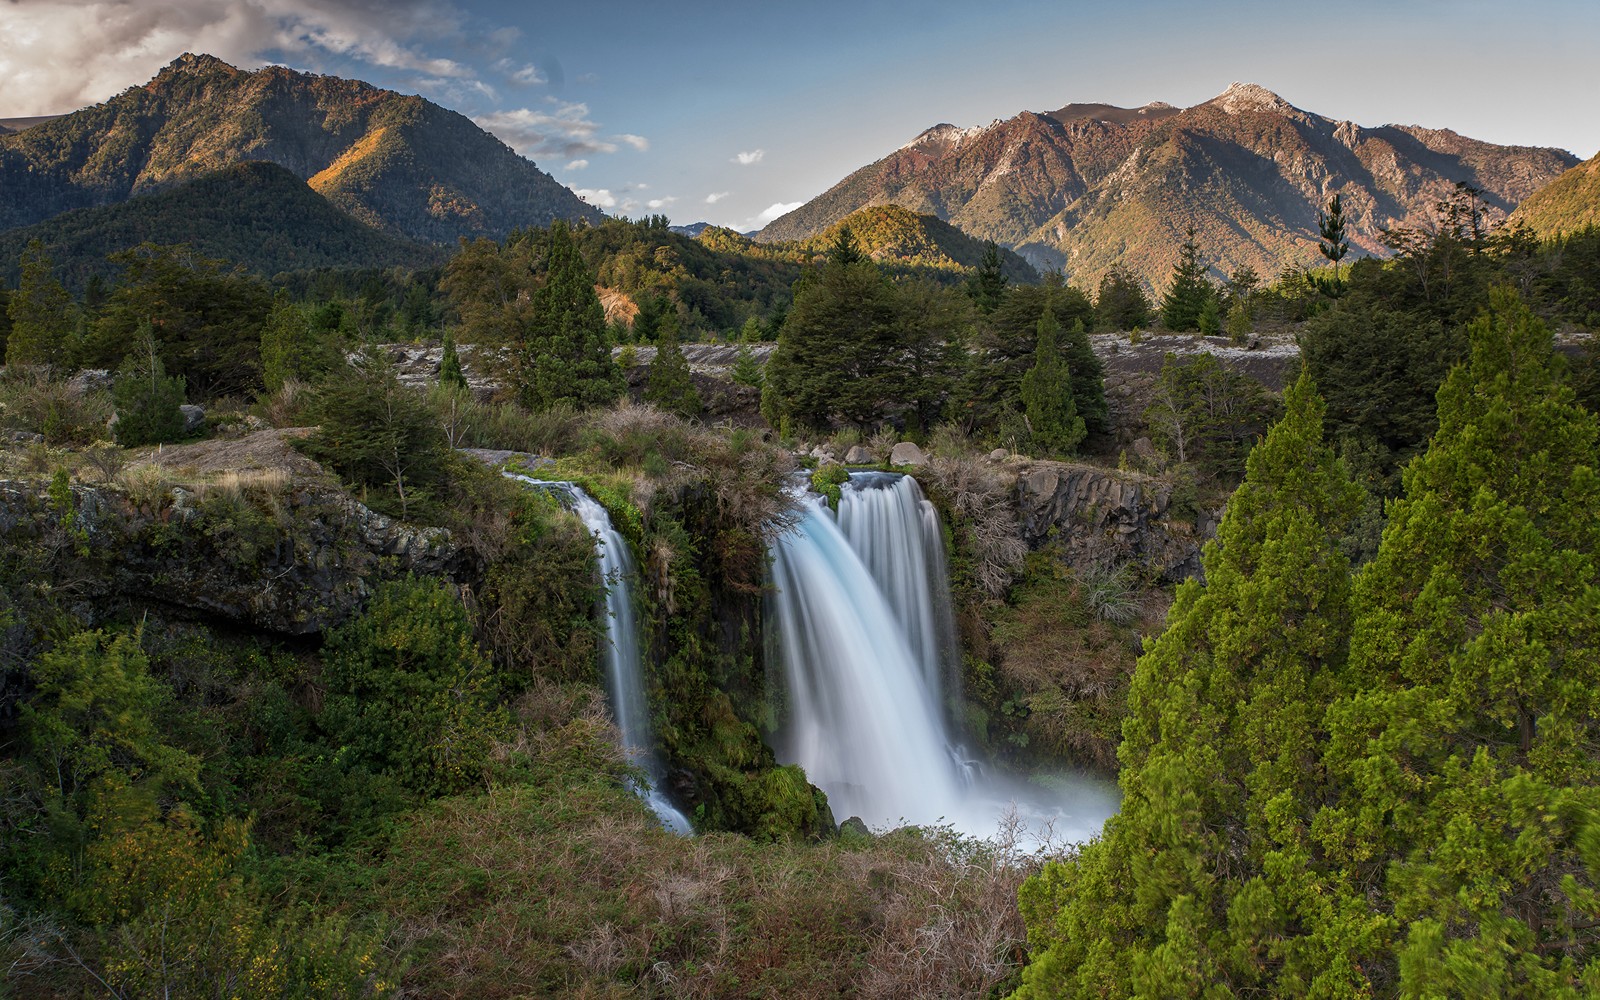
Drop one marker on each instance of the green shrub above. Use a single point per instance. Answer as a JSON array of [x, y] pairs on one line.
[[828, 479]]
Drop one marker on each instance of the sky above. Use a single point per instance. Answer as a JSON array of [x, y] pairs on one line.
[[733, 113]]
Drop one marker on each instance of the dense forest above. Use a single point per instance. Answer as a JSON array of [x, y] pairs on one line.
[[299, 697]]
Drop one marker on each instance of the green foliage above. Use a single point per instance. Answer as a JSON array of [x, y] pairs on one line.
[[146, 399], [39, 313], [450, 374], [1204, 867], [1333, 246], [207, 318], [668, 383], [376, 433], [836, 352], [302, 341], [410, 695], [565, 353], [1190, 289], [1380, 372], [828, 479], [1120, 303], [1007, 343], [987, 284], [747, 370], [1047, 398], [1202, 412]]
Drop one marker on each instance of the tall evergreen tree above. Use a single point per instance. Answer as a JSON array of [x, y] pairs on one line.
[[1199, 886], [1047, 399], [668, 383], [40, 311], [986, 286], [1120, 303], [1467, 779], [565, 352], [1190, 290], [450, 374], [1333, 246]]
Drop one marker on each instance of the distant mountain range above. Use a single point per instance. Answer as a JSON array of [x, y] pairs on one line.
[[1092, 186], [256, 214], [1568, 203], [397, 163]]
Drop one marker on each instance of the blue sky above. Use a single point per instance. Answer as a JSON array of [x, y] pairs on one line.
[[728, 112]]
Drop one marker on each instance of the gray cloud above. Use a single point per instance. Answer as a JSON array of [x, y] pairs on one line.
[[565, 130]]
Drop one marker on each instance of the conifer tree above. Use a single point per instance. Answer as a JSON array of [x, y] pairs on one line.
[[1120, 303], [1200, 885], [566, 353], [40, 311], [1333, 246], [668, 383], [1468, 783], [1047, 398], [1191, 289], [450, 374], [986, 286]]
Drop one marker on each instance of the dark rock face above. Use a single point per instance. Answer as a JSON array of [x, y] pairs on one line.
[[1106, 517], [296, 563]]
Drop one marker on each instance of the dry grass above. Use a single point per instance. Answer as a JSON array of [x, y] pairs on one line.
[[979, 496]]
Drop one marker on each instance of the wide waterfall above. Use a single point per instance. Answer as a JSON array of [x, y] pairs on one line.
[[624, 664], [862, 620]]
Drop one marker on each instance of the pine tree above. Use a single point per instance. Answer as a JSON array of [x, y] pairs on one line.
[[986, 286], [40, 311], [450, 374], [844, 250], [565, 353], [1468, 784], [1333, 246], [1047, 399], [1191, 289], [1120, 303], [668, 383], [1203, 884]]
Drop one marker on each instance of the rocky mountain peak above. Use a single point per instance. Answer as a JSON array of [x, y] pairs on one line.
[[196, 65], [1241, 97]]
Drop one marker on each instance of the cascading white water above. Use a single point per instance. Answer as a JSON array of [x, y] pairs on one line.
[[863, 721], [862, 619], [624, 665], [896, 532]]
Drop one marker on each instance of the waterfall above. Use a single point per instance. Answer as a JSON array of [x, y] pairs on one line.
[[624, 664], [862, 620]]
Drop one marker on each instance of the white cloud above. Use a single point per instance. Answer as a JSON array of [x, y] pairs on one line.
[[526, 74], [577, 165], [712, 199], [638, 142], [661, 202], [776, 209], [566, 130], [598, 197], [45, 69], [746, 158]]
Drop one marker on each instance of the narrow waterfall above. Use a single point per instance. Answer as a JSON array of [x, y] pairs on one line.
[[862, 619], [624, 664]]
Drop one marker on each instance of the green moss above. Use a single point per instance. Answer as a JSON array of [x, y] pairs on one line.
[[828, 479]]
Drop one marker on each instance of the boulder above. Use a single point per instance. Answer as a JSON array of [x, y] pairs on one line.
[[859, 455], [194, 417], [999, 455], [907, 453]]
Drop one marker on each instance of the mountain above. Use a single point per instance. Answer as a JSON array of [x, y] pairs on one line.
[[395, 162], [893, 235], [256, 214], [1092, 186], [1568, 203]]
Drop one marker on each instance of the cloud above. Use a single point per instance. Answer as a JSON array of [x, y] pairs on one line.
[[526, 74], [577, 165], [712, 199], [598, 197], [566, 131], [45, 70], [747, 158], [661, 202], [775, 210]]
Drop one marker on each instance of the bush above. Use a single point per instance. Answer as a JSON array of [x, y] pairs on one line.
[[31, 401], [147, 400]]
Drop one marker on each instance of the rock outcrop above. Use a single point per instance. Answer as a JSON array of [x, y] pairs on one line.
[[296, 560], [1105, 517]]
